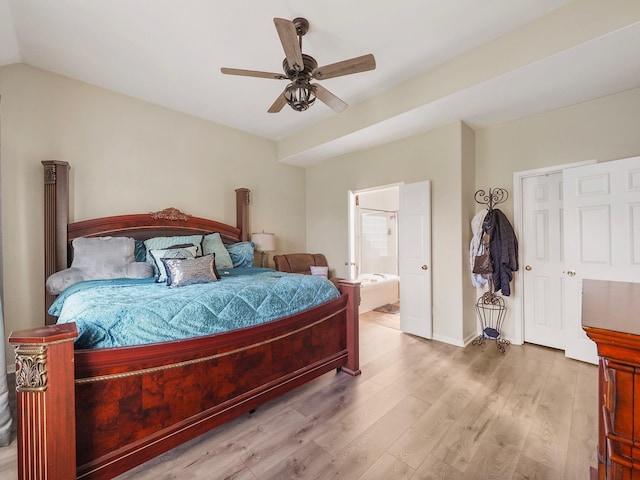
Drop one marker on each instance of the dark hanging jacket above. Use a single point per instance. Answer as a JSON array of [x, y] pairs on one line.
[[503, 249]]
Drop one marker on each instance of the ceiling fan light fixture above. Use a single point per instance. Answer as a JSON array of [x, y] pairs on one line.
[[300, 69], [300, 95]]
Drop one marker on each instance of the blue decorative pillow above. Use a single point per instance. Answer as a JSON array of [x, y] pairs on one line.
[[140, 251], [158, 243], [241, 254], [212, 243]]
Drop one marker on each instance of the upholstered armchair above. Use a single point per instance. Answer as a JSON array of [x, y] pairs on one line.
[[299, 262]]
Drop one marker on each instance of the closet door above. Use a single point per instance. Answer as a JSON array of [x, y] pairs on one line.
[[542, 254]]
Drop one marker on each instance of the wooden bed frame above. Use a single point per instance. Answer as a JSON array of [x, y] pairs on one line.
[[98, 413]]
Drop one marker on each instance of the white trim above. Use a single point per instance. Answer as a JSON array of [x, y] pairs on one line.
[[451, 340], [466, 342], [389, 186], [518, 179]]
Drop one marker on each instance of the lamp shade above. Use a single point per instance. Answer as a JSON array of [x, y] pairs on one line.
[[264, 242]]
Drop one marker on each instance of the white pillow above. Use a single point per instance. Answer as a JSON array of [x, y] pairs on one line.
[[320, 271]]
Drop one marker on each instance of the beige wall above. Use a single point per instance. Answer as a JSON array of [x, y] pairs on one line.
[[434, 155], [126, 156], [604, 129], [468, 210]]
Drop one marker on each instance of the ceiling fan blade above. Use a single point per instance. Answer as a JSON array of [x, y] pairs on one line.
[[345, 67], [252, 73], [290, 43], [278, 104], [325, 96]]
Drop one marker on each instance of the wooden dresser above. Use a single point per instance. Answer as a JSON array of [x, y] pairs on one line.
[[611, 318]]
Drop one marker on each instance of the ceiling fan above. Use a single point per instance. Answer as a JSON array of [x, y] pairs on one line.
[[300, 69]]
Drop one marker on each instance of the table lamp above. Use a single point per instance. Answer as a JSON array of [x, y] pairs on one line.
[[264, 242]]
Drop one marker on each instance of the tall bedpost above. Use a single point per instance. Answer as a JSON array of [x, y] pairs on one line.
[[352, 288], [45, 402], [56, 218], [242, 212]]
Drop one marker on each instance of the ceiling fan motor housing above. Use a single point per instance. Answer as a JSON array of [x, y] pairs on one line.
[[300, 93], [302, 25], [309, 65]]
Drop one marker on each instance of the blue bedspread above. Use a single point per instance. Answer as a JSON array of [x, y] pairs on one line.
[[113, 313]]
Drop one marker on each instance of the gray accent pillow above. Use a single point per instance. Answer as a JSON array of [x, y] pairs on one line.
[[59, 281], [99, 258], [159, 254], [103, 257], [189, 271], [139, 270]]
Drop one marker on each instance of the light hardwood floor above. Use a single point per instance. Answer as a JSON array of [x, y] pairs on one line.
[[420, 410]]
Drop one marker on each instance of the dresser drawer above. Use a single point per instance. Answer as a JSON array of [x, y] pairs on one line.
[[618, 399], [619, 450]]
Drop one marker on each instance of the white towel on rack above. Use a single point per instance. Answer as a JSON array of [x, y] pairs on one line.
[[477, 280]]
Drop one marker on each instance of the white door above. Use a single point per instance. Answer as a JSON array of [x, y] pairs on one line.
[[414, 236], [542, 256], [602, 237]]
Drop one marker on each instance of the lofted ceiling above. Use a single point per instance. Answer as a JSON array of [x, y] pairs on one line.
[[170, 53]]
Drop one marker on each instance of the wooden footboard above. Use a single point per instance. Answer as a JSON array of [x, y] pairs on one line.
[[125, 406]]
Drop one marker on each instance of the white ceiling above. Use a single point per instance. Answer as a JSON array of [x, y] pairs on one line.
[[170, 53]]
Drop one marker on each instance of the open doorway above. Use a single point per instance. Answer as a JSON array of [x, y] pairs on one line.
[[374, 248]]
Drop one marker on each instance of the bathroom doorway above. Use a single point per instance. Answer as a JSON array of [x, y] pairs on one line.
[[374, 247]]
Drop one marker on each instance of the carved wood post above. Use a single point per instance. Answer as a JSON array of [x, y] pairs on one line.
[[45, 402], [242, 212], [352, 288], [56, 218]]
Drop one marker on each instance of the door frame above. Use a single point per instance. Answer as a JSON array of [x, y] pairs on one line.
[[518, 179]]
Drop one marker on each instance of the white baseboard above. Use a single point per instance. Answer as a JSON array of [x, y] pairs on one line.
[[449, 340]]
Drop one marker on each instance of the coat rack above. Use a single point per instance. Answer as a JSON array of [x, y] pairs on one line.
[[490, 307], [493, 198], [491, 311]]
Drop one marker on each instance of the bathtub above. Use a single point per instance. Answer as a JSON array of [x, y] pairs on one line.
[[378, 289]]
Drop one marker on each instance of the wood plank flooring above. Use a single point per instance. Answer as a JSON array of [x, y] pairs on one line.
[[421, 410]]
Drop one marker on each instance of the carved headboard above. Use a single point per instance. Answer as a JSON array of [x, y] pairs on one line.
[[59, 232]]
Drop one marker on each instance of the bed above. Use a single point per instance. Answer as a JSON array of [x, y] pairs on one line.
[[95, 413]]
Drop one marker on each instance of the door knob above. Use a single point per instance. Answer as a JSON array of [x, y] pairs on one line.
[[424, 267], [527, 268], [571, 273]]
